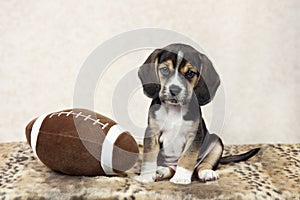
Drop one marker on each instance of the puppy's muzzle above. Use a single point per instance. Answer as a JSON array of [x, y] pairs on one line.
[[174, 90], [173, 95]]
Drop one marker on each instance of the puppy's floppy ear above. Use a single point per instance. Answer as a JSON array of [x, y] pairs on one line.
[[208, 83], [148, 75]]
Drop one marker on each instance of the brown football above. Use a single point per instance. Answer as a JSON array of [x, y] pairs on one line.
[[81, 142]]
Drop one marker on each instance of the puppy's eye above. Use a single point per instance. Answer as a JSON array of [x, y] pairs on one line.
[[189, 74], [165, 71]]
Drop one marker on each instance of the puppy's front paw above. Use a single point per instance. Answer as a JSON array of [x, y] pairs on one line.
[[182, 180], [145, 178], [182, 176], [208, 175]]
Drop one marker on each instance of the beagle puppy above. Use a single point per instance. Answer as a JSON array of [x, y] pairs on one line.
[[177, 144]]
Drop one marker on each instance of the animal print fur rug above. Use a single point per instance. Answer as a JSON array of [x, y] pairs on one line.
[[272, 174]]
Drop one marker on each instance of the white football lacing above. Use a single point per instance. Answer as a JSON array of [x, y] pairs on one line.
[[86, 117]]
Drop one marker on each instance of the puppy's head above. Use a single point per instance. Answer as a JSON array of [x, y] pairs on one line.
[[176, 73]]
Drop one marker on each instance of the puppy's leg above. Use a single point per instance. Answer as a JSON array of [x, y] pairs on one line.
[[205, 169], [150, 153], [187, 161]]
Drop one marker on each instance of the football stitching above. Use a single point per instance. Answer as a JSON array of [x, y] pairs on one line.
[[86, 117]]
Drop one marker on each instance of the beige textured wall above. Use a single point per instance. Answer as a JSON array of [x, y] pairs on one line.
[[253, 44]]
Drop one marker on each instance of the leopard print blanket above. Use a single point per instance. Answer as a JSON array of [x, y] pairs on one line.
[[272, 174]]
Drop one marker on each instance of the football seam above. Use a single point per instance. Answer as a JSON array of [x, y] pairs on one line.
[[86, 117], [69, 136]]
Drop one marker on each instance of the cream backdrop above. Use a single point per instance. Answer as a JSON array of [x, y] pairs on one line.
[[253, 44]]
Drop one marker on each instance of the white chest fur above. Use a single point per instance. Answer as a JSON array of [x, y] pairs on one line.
[[175, 132]]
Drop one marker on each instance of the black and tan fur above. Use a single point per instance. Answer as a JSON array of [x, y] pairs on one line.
[[180, 80]]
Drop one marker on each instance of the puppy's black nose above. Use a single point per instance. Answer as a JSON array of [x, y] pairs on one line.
[[174, 90]]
